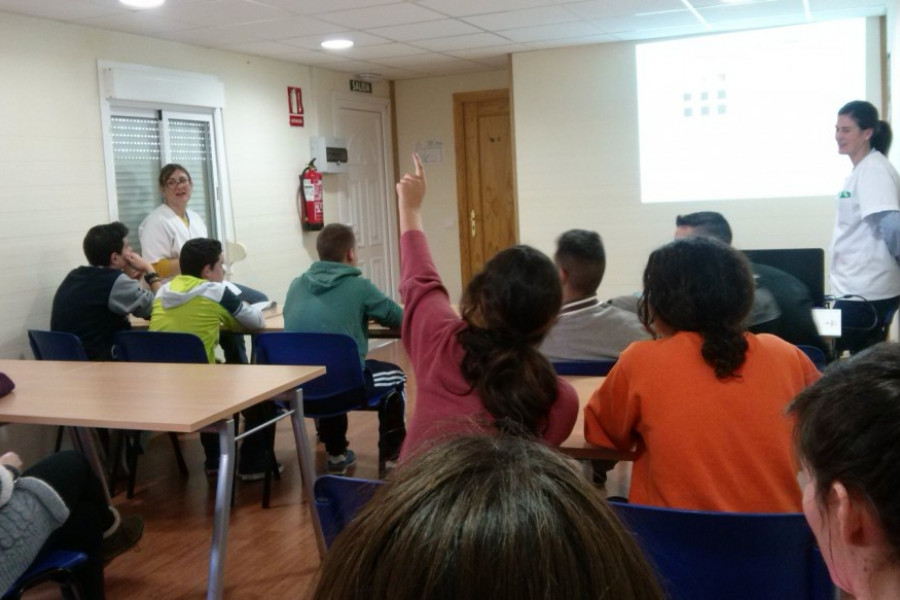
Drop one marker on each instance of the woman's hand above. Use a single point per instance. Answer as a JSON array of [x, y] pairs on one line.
[[410, 194]]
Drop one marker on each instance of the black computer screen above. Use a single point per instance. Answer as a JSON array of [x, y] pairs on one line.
[[806, 264]]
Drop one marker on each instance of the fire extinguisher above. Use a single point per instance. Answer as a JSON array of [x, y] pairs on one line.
[[310, 205]]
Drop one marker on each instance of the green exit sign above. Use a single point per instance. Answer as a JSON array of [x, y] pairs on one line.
[[357, 85]]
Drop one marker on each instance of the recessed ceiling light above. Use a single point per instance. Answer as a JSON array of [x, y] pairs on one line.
[[337, 44], [142, 3]]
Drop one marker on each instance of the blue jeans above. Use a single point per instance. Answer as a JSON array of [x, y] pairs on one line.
[[864, 323]]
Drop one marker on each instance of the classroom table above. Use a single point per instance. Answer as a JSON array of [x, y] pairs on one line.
[[575, 445], [159, 397]]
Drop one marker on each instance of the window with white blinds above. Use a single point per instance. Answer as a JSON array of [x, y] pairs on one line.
[[142, 144]]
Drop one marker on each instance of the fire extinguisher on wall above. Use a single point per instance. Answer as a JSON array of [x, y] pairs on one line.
[[310, 200]]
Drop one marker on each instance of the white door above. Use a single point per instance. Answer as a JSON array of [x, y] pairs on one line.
[[366, 203]]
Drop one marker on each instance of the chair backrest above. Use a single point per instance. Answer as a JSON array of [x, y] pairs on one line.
[[159, 346], [338, 500], [600, 366], [56, 345], [817, 357], [701, 555], [341, 389]]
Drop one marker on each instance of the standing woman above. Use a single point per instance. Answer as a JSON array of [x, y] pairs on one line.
[[865, 248], [165, 230]]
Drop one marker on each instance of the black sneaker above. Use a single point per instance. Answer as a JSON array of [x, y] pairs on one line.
[[256, 474], [339, 463], [122, 539]]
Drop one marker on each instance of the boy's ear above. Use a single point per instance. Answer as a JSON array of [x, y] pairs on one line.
[[350, 258], [205, 272]]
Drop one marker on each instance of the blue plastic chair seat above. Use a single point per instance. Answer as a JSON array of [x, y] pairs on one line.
[[339, 499], [57, 566], [599, 367]]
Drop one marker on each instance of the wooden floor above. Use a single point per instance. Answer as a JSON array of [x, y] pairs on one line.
[[271, 552]]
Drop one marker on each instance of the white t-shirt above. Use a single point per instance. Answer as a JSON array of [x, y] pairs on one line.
[[163, 233], [860, 261]]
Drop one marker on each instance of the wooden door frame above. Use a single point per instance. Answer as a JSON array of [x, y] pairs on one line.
[[462, 176]]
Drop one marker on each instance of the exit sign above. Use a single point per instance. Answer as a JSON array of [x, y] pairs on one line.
[[360, 86]]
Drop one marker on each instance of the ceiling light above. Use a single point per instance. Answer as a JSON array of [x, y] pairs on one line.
[[337, 44], [142, 3]]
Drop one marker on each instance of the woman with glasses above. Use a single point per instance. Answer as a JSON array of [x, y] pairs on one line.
[[165, 230]]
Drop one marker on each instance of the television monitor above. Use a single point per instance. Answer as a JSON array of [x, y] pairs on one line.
[[806, 264]]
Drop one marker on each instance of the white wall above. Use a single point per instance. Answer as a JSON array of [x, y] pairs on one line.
[[53, 188], [576, 135], [425, 113]]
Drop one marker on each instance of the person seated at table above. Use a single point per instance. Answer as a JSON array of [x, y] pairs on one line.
[[587, 329], [197, 301], [482, 371], [332, 296], [782, 304], [703, 405], [165, 230], [846, 440], [486, 517], [94, 302], [59, 504]]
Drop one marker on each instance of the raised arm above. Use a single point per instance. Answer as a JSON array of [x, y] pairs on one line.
[[410, 194]]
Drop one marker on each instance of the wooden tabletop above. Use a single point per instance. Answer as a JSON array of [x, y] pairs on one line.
[[575, 445], [147, 396]]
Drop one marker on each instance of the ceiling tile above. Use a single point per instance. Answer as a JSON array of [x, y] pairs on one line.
[[557, 31], [59, 10], [601, 9], [425, 30], [529, 17], [385, 15], [382, 51], [462, 42], [314, 42], [463, 8]]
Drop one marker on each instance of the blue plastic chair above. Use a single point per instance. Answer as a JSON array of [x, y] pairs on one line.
[[56, 345], [816, 355], [154, 346], [342, 388], [338, 500], [599, 367], [57, 566], [700, 555]]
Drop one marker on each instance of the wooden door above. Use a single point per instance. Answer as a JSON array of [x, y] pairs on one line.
[[484, 165], [366, 205]]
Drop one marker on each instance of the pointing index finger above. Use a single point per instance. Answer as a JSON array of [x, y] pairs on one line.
[[420, 170]]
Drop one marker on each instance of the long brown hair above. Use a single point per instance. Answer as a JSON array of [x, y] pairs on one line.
[[509, 307], [486, 517]]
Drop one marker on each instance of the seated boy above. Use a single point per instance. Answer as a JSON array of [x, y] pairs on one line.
[[333, 297], [198, 301], [94, 302]]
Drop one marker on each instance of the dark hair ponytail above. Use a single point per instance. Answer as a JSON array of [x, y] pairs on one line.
[[866, 116], [700, 284], [509, 307]]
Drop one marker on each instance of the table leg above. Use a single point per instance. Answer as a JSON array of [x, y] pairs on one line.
[[89, 451], [307, 468], [224, 485]]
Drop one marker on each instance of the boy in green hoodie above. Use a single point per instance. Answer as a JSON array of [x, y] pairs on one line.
[[199, 301], [333, 297]]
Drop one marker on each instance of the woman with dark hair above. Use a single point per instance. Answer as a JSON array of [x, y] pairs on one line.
[[865, 247], [703, 405], [481, 371], [846, 438], [486, 518]]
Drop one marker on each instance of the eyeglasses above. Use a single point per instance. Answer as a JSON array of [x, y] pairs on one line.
[[176, 182]]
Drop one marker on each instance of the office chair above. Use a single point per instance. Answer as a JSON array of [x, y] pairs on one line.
[[56, 345], [600, 367], [153, 346], [338, 500], [57, 566], [342, 388], [817, 357], [703, 555]]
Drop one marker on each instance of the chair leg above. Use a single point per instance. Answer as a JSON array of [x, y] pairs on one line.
[[131, 453], [120, 452], [59, 437], [271, 466], [179, 457]]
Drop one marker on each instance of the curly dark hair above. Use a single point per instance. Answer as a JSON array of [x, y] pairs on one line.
[[509, 307], [700, 284]]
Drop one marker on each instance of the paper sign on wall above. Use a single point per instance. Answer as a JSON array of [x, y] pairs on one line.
[[295, 106]]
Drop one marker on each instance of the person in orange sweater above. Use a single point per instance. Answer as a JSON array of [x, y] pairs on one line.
[[703, 405]]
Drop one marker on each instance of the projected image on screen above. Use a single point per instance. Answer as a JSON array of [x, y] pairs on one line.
[[749, 114]]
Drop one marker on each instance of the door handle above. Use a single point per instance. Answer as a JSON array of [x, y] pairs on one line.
[[472, 223]]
